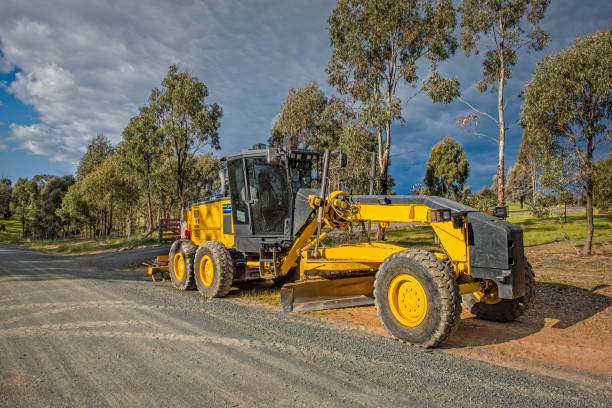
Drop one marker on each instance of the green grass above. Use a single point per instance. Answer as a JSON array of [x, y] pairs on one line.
[[536, 231], [80, 245], [540, 231], [270, 296], [12, 225]]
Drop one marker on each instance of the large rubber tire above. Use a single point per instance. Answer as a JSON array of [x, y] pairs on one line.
[[182, 276], [436, 282], [506, 310], [214, 269]]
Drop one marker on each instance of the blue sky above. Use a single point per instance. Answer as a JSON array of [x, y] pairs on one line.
[[71, 69]]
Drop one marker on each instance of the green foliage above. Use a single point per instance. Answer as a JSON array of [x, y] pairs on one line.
[[98, 150], [308, 118], [317, 122], [602, 184], [203, 180], [503, 22], [378, 45], [186, 122], [482, 201], [567, 109], [23, 197], [447, 169], [46, 224], [6, 191], [539, 205], [518, 183], [141, 153]]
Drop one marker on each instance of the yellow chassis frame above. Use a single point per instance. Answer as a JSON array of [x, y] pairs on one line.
[[365, 258]]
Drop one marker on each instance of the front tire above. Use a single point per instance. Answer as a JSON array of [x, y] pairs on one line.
[[417, 298], [214, 269], [505, 310], [180, 264]]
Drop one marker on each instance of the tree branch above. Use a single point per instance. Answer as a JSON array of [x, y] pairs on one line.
[[479, 111]]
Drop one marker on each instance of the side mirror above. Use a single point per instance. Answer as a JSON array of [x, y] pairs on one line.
[[273, 156], [341, 160]]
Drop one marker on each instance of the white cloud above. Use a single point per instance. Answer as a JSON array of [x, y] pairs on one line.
[[45, 84], [45, 140], [86, 67]]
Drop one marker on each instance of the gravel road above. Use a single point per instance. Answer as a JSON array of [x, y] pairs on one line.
[[77, 331]]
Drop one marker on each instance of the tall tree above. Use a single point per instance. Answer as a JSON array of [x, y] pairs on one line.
[[22, 199], [184, 119], [502, 22], [447, 169], [309, 118], [518, 184], [6, 191], [567, 110], [602, 187], [99, 149], [378, 45], [141, 151], [317, 122], [46, 224]]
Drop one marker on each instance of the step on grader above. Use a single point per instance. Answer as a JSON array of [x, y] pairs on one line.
[[269, 223]]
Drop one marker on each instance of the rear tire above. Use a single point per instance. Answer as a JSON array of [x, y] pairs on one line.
[[180, 264], [214, 269], [506, 310], [417, 297]]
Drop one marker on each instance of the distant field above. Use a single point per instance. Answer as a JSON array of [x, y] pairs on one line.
[[13, 224], [536, 231]]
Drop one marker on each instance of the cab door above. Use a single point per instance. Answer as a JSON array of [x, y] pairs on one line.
[[270, 197]]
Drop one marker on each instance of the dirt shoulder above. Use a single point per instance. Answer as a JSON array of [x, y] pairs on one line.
[[567, 333]]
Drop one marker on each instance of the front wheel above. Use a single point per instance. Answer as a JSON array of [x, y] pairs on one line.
[[214, 269], [417, 297], [181, 264], [502, 310]]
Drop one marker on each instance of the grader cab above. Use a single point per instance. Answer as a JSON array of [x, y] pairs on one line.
[[269, 223]]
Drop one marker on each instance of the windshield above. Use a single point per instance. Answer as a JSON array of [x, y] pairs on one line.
[[270, 197]]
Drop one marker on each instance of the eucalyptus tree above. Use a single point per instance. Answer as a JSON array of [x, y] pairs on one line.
[[447, 169], [141, 152], [6, 190], [186, 122], [309, 118], [567, 112], [23, 196], [498, 27], [378, 45]]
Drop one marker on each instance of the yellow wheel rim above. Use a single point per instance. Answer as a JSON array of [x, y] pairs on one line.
[[207, 272], [407, 300], [178, 266]]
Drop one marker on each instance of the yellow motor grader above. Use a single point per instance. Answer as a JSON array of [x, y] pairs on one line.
[[269, 223]]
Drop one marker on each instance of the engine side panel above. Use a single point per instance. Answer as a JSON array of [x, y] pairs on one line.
[[211, 221]]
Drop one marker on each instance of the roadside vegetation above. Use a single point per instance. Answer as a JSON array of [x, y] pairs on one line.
[[165, 158]]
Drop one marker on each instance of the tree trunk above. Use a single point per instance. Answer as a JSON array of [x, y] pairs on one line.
[[502, 125], [384, 165], [589, 215], [588, 241], [521, 201], [149, 210]]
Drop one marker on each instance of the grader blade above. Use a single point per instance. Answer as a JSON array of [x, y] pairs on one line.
[[320, 294]]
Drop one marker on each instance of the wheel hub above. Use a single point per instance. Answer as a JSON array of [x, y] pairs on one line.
[[178, 266], [207, 272], [407, 300]]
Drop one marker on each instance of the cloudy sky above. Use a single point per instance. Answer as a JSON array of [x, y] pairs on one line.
[[71, 69]]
